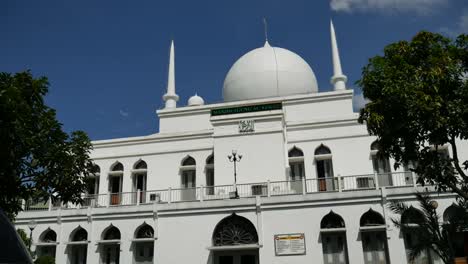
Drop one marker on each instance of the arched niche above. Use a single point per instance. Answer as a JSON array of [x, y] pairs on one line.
[[331, 221], [111, 233], [144, 231], [371, 218], [79, 234], [48, 236]]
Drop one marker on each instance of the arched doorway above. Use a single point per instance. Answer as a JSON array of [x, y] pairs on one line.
[[143, 245], [47, 243], [78, 246], [455, 223], [374, 238], [110, 246], [333, 237], [235, 241]]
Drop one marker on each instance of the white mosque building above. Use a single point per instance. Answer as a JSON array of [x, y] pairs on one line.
[[277, 173]]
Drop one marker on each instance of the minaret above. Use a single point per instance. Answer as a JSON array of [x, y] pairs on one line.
[[338, 79], [171, 97]]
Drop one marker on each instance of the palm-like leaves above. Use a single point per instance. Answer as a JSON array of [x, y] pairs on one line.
[[424, 224]]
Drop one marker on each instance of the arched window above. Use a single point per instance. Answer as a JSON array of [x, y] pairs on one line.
[[117, 167], [456, 217], [188, 179], [78, 246], [332, 220], [381, 166], [80, 234], [296, 172], [144, 231], [47, 243], [115, 182], [371, 218], [140, 165], [111, 233], [92, 181], [454, 214], [333, 237], [139, 181], [188, 161], [110, 250], [209, 171], [411, 220], [234, 230], [373, 237], [48, 236], [144, 244], [324, 164]]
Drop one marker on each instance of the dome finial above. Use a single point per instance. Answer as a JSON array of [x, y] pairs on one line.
[[265, 28]]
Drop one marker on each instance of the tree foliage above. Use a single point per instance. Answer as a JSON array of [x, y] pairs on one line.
[[425, 225], [38, 159], [418, 92]]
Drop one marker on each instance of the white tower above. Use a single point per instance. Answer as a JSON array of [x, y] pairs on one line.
[[338, 79], [171, 97]]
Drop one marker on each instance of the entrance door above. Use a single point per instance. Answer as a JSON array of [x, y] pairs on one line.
[[237, 257], [110, 254], [375, 247], [188, 185], [139, 183], [296, 175], [78, 255], [115, 188]]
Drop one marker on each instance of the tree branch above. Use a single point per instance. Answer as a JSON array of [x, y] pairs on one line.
[[457, 190]]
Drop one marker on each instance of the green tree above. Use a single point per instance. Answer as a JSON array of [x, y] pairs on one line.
[[38, 159], [418, 92], [424, 225]]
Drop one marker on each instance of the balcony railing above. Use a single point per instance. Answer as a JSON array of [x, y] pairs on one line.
[[244, 190]]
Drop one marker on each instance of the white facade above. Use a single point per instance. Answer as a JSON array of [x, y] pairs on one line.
[[183, 205]]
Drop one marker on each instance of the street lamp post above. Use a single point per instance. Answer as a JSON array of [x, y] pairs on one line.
[[234, 157], [32, 224]]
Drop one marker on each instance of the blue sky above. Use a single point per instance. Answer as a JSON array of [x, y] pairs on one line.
[[107, 60]]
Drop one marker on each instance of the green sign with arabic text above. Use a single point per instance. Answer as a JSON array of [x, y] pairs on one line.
[[246, 109]]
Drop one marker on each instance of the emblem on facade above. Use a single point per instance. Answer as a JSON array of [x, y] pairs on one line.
[[246, 126]]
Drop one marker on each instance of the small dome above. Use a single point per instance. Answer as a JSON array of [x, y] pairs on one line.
[[195, 100], [268, 72]]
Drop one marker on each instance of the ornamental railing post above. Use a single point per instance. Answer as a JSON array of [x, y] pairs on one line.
[[304, 186], [169, 194], [340, 188], [138, 194], [202, 192], [49, 202], [414, 178], [268, 188], [376, 180]]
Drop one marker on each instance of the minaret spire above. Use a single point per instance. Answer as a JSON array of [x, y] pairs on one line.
[[171, 97], [338, 79]]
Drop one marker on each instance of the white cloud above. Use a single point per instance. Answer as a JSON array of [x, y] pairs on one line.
[[460, 27], [359, 102], [387, 6], [123, 113]]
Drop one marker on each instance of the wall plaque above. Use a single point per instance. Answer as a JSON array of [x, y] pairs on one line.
[[290, 244], [246, 126]]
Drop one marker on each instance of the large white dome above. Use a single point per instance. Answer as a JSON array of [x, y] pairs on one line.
[[268, 72]]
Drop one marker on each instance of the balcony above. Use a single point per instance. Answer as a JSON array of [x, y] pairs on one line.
[[244, 190]]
